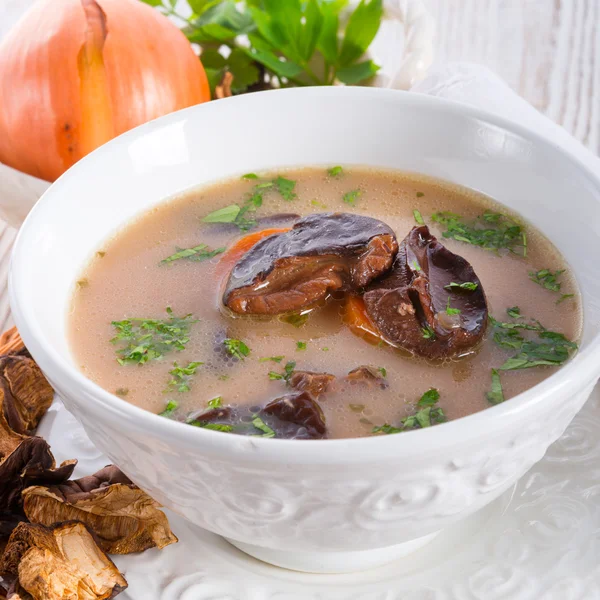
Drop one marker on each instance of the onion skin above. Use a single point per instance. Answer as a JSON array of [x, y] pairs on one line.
[[76, 73]]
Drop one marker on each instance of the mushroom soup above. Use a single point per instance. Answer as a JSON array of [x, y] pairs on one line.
[[324, 303]]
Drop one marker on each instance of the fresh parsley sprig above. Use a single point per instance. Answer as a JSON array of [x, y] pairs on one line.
[[197, 254], [181, 377]]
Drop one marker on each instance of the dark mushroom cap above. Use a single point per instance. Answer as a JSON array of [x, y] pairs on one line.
[[413, 300], [300, 410], [321, 254]]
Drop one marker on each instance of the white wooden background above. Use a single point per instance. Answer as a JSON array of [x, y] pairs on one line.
[[546, 50]]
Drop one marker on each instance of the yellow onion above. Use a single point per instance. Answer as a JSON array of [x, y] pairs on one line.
[[76, 73]]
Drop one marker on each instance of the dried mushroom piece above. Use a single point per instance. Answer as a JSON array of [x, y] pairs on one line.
[[11, 343], [431, 303], [60, 562], [323, 253], [315, 384], [31, 463], [25, 393], [123, 517], [366, 374], [296, 416]]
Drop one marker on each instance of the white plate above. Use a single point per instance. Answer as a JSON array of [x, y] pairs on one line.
[[540, 541]]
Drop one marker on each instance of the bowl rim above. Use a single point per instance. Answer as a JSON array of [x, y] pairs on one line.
[[583, 367]]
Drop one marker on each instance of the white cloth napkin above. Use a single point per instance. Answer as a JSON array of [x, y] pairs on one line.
[[478, 86]]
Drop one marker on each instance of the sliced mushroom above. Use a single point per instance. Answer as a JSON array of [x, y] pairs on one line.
[[31, 463], [25, 393], [123, 517], [313, 383], [11, 343], [59, 562], [296, 416], [367, 375], [321, 254], [415, 308]]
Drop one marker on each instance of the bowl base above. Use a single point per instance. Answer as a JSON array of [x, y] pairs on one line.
[[332, 562]]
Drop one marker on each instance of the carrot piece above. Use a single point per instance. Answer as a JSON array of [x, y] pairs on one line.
[[358, 321], [231, 256]]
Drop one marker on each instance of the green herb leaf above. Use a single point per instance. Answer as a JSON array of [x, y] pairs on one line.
[[236, 348], [170, 408], [224, 215], [492, 231], [300, 345], [198, 254], [311, 24], [451, 311], [418, 217], [514, 312], [250, 176], [361, 30], [121, 392], [383, 371], [386, 429], [335, 171], [182, 377], [429, 398], [565, 297], [547, 279], [142, 340], [285, 187], [276, 359], [215, 402], [273, 375], [553, 350], [351, 197], [295, 319], [428, 333], [262, 426], [213, 426], [470, 286], [355, 74], [281, 67], [495, 395]]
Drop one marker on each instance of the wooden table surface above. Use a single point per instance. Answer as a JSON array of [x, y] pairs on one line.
[[546, 50]]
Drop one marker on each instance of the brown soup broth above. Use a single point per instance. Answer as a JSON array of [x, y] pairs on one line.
[[126, 279]]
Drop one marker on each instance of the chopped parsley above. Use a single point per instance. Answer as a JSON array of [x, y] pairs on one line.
[[550, 349], [335, 171], [470, 286], [318, 204], [351, 197], [182, 377], [415, 266], [170, 408], [250, 176], [300, 345], [495, 395], [197, 253], [286, 188], [565, 297], [215, 402], [492, 231], [276, 359], [288, 371], [418, 217], [428, 333], [262, 426], [142, 340], [228, 214], [122, 392], [383, 371], [428, 414], [547, 278], [236, 348], [514, 312], [212, 426], [296, 319], [420, 194], [451, 311]]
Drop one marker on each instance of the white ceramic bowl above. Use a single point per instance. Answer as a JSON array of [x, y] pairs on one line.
[[330, 505]]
